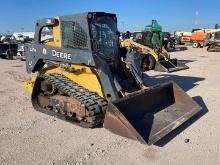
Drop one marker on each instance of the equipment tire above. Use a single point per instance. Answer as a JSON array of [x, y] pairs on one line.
[[148, 62], [10, 55], [195, 44], [168, 46]]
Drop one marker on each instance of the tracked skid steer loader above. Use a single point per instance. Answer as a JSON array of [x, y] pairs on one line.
[[157, 59], [82, 78], [149, 43], [212, 42]]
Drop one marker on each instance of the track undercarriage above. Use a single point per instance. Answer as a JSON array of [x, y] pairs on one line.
[[214, 48], [56, 95]]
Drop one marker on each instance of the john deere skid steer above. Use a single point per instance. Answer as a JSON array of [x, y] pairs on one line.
[[82, 78], [150, 44]]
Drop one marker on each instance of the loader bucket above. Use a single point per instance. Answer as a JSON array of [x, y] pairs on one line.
[[149, 115], [171, 65]]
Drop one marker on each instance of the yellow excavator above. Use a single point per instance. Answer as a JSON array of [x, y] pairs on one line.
[[149, 43], [82, 78]]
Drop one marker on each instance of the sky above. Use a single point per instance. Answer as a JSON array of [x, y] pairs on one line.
[[20, 15]]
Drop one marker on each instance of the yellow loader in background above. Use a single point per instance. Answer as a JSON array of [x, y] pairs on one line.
[[149, 43]]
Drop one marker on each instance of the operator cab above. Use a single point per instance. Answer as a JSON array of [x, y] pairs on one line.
[[143, 38], [105, 38]]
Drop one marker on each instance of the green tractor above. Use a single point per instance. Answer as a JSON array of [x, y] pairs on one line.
[[156, 34], [159, 38]]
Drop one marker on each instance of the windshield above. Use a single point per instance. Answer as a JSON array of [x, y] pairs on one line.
[[104, 36], [217, 35], [208, 36]]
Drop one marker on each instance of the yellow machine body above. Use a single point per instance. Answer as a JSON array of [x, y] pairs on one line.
[[56, 35], [83, 75], [29, 83], [129, 44]]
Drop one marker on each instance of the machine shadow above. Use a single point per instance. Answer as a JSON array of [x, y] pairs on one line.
[[180, 48], [185, 82], [3, 58], [185, 125], [186, 61]]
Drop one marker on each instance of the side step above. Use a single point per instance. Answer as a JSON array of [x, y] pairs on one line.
[[171, 65]]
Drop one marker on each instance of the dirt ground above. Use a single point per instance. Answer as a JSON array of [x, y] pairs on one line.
[[30, 137]]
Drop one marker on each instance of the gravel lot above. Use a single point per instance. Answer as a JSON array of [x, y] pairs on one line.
[[29, 137]]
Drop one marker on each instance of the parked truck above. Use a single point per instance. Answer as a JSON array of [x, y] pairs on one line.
[[182, 37], [198, 38]]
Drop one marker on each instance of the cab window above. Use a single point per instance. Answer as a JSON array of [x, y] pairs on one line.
[[46, 35]]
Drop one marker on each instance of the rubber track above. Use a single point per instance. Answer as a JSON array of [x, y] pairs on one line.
[[213, 49], [95, 105]]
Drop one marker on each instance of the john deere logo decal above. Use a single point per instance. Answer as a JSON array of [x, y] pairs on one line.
[[62, 55]]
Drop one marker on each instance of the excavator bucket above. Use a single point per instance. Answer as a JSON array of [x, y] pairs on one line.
[[170, 65], [149, 115]]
